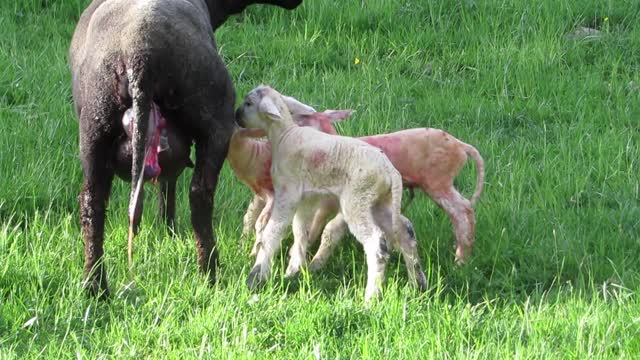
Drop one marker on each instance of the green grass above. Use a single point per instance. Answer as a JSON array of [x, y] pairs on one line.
[[556, 269]]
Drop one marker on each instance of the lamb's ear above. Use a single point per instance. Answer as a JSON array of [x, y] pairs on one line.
[[338, 115], [302, 119], [297, 107], [269, 108]]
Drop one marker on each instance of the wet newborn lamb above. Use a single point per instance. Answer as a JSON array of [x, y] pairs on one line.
[[308, 165]]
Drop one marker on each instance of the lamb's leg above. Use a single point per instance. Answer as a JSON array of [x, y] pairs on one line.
[[250, 217], [357, 212], [261, 222], [326, 207], [301, 240], [333, 232], [271, 238], [462, 218], [377, 253]]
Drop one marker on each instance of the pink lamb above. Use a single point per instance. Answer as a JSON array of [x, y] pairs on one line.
[[428, 159]]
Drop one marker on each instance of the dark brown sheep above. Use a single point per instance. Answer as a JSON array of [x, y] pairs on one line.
[[130, 54]]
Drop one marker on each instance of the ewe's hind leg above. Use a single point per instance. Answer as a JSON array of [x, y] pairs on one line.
[[210, 154], [301, 226], [331, 236], [358, 215], [212, 124], [96, 137], [462, 218], [93, 199], [167, 202]]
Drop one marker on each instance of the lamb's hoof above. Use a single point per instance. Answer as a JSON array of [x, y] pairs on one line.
[[315, 265], [256, 279], [370, 299], [292, 272], [462, 254], [421, 281], [254, 250]]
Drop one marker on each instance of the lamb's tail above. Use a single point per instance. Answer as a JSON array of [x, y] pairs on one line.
[[475, 155], [140, 89]]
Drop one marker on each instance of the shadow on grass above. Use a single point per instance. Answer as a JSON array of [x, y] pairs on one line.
[[59, 320], [473, 283]]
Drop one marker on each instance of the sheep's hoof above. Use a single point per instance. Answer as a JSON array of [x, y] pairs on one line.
[[255, 279], [95, 288]]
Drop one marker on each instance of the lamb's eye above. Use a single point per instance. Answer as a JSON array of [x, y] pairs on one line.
[[247, 104]]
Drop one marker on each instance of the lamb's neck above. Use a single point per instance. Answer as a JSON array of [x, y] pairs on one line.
[[278, 133]]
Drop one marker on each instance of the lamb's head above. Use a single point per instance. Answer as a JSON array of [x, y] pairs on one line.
[[263, 108]]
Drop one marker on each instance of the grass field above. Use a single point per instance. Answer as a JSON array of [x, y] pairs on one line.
[[557, 118]]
